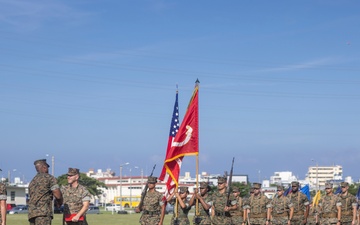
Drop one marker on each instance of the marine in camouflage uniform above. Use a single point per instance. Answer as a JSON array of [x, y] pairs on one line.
[[282, 210], [42, 188], [358, 213], [76, 198], [237, 215], [153, 208], [3, 197], [301, 205], [348, 205], [329, 207], [202, 199], [181, 206], [259, 206], [220, 208]]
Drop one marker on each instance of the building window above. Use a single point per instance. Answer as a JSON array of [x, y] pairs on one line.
[[12, 196]]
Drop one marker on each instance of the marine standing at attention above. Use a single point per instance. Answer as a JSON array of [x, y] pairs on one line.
[[3, 197], [153, 208], [42, 188], [181, 206], [259, 206], [76, 199], [237, 215], [301, 205], [220, 205], [348, 205], [203, 198], [329, 207], [282, 210]]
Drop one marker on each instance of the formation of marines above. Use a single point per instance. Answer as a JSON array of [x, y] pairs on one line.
[[256, 209], [218, 208]]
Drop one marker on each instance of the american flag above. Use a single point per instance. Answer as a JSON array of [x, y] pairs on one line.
[[174, 167]]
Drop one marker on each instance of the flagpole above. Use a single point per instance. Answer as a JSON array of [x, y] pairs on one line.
[[197, 82], [197, 185]]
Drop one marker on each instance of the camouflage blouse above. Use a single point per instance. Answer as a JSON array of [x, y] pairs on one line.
[[329, 203], [219, 201], [153, 201], [41, 196], [3, 195], [202, 211], [281, 205], [347, 202], [299, 200], [74, 198], [257, 204]]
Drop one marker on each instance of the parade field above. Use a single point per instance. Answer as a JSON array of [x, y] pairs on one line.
[[105, 218]]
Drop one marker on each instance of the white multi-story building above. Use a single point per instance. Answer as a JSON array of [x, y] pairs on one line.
[[132, 186], [99, 173], [317, 176], [283, 178]]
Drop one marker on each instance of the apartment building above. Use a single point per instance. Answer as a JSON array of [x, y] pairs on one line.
[[317, 176]]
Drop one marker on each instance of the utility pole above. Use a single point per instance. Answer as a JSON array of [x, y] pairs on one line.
[[52, 165]]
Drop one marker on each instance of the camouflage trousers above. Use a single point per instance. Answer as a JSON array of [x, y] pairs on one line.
[[346, 220], [235, 220], [180, 221], [221, 220], [41, 220], [298, 220], [204, 220], [311, 220], [328, 221], [280, 220], [260, 221], [149, 219]]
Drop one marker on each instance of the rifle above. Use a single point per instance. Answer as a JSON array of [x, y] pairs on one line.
[[143, 194], [230, 182]]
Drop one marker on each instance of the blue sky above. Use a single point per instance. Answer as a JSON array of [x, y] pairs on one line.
[[93, 83]]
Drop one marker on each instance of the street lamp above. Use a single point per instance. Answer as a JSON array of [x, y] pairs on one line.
[[52, 164], [135, 167], [121, 166], [317, 174]]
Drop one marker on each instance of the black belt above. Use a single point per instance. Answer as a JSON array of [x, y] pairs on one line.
[[151, 213], [222, 214]]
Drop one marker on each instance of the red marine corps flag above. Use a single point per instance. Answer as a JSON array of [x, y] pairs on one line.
[[185, 142]]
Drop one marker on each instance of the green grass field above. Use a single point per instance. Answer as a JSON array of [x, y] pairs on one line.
[[105, 218]]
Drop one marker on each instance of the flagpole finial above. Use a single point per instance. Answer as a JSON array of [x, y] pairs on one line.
[[177, 88], [197, 81]]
